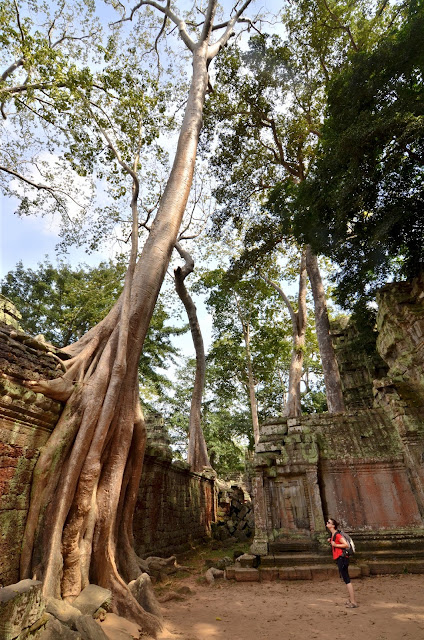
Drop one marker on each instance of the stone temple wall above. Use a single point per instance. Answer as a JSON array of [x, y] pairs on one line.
[[175, 506], [364, 467], [26, 421]]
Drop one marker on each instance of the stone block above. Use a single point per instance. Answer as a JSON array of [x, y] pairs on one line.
[[268, 574], [246, 575], [230, 573], [322, 573], [92, 598], [90, 629], [54, 630], [21, 605], [295, 573], [264, 447], [63, 611], [247, 560], [355, 571]]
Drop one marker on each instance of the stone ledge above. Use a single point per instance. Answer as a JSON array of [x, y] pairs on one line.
[[246, 575]]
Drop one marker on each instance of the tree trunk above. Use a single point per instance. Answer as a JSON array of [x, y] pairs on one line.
[[298, 319], [251, 384], [330, 367], [197, 456], [86, 478], [299, 330]]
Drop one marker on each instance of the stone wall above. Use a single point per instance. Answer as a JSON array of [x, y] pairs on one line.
[[358, 365], [26, 421], [175, 507]]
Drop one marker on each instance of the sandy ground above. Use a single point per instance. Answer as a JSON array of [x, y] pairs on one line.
[[391, 608]]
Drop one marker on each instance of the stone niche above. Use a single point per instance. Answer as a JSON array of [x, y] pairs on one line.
[[364, 467]]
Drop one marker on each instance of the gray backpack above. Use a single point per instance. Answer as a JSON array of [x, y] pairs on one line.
[[347, 553]]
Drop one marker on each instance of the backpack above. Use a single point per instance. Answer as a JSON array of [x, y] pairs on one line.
[[351, 548]]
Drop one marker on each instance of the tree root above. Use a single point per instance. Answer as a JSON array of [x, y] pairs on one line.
[[58, 389]]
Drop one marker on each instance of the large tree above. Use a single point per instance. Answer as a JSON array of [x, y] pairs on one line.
[[364, 203], [266, 116], [79, 526], [266, 143]]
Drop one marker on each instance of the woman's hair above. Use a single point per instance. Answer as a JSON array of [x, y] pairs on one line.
[[335, 523]]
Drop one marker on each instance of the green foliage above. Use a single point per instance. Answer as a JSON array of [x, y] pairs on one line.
[[364, 206], [250, 301], [62, 303], [226, 430]]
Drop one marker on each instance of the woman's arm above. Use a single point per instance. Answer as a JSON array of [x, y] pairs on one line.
[[339, 542]]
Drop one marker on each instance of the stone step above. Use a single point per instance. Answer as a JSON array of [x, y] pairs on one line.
[[288, 546], [295, 559], [390, 554], [268, 574], [323, 571], [301, 558]]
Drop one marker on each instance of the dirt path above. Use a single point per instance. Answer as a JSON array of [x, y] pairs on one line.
[[391, 608]]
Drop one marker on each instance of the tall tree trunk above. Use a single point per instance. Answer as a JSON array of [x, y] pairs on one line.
[[330, 367], [298, 319], [79, 515], [197, 456], [251, 382]]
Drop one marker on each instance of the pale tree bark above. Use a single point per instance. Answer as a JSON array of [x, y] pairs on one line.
[[333, 387], [250, 377], [197, 455], [79, 525], [298, 320]]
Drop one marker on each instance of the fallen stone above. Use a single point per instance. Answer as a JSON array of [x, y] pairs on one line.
[[90, 629], [117, 628], [21, 605], [63, 611], [55, 630], [142, 590], [159, 568], [213, 573], [218, 563], [92, 598]]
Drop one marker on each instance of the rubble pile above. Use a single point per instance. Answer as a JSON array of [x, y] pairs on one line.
[[235, 514]]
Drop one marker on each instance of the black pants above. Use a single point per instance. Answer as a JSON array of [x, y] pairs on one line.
[[343, 565]]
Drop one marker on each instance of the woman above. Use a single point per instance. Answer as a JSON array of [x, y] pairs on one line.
[[338, 543]]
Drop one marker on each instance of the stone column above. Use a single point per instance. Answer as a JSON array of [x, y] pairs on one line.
[[259, 546]]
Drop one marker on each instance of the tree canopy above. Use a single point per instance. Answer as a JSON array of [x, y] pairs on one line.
[[364, 205]]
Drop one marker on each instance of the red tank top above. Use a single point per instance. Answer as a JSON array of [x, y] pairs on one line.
[[337, 551]]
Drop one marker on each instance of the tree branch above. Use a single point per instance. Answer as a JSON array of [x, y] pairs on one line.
[[12, 68], [213, 49], [170, 14], [279, 290]]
